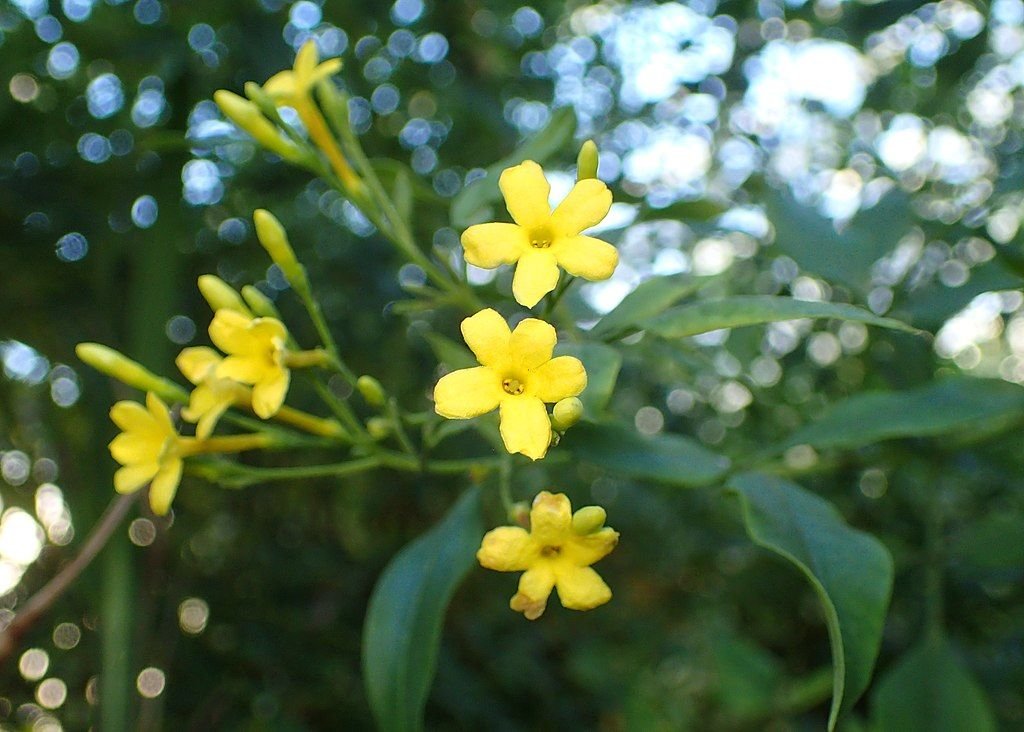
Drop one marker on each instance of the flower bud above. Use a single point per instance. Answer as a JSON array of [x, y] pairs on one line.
[[274, 239], [519, 514], [566, 413], [261, 305], [113, 363], [378, 427], [219, 295], [588, 519], [371, 390], [586, 163], [248, 117]]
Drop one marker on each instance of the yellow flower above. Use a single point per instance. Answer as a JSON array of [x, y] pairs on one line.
[[541, 240], [292, 87], [257, 355], [148, 448], [213, 395], [517, 374], [553, 555]]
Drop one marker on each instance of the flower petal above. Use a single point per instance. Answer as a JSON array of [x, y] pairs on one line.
[[208, 420], [534, 588], [586, 205], [526, 193], [507, 549], [551, 519], [130, 448], [487, 336], [242, 368], [585, 550], [525, 426], [581, 588], [132, 477], [131, 417], [586, 257], [558, 379], [196, 362], [536, 275], [268, 331], [468, 393], [533, 342], [325, 70], [229, 331], [306, 60], [281, 86], [491, 245], [161, 414], [268, 395], [164, 486]]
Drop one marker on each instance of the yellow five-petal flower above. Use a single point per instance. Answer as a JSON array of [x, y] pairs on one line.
[[293, 86], [257, 355], [553, 555], [541, 240], [148, 449], [517, 374], [213, 395]]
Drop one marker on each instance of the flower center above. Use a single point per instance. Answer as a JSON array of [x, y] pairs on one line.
[[551, 551], [512, 386], [540, 238]]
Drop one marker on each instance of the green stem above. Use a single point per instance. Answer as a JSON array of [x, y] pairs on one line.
[[505, 487], [393, 413], [342, 411]]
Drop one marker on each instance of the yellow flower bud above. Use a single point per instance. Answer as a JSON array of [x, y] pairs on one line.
[[378, 427], [371, 390], [113, 363], [588, 519], [248, 117], [586, 163], [520, 514], [274, 239], [221, 296], [566, 413], [261, 305]]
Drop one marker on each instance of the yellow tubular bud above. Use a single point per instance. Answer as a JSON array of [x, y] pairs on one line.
[[261, 305], [566, 413], [113, 363], [221, 296], [588, 519], [586, 163], [248, 117], [274, 239], [371, 390]]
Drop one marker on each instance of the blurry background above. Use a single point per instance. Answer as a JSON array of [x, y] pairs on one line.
[[736, 137]]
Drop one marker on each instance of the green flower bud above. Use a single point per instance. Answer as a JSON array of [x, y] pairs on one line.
[[274, 239], [588, 519], [261, 305], [221, 296], [566, 413], [586, 163], [113, 363], [378, 427], [371, 390]]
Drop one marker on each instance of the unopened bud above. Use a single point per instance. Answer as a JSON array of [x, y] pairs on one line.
[[113, 363], [520, 514], [588, 519], [250, 119], [275, 240], [261, 305], [566, 413], [586, 163], [221, 296], [378, 427], [371, 390]]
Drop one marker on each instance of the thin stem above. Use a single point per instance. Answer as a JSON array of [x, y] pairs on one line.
[[505, 486], [342, 411], [41, 601], [391, 408]]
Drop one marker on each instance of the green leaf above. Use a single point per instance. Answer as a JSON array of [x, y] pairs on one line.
[[402, 194], [930, 691], [602, 364], [960, 405], [402, 632], [665, 458], [932, 304], [851, 572], [733, 312], [650, 298], [480, 194], [451, 354], [995, 541]]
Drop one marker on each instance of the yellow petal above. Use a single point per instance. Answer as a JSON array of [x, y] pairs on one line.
[[583, 551], [306, 59], [229, 331], [268, 395], [586, 205], [581, 588], [491, 245], [533, 342], [206, 423], [558, 379], [325, 70], [507, 549], [526, 194], [244, 369], [131, 416], [136, 447], [281, 86], [161, 414], [487, 336], [196, 362], [468, 393], [534, 588], [130, 478], [268, 331], [551, 519], [586, 257], [164, 486], [536, 275], [525, 426]]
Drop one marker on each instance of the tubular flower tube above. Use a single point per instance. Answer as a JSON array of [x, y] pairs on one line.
[[517, 375], [552, 555], [541, 240], [257, 355], [213, 395]]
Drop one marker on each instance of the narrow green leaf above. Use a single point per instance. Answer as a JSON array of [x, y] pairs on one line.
[[402, 632], [930, 691], [451, 354], [650, 298], [733, 312], [665, 458], [994, 542], [556, 135], [956, 405], [851, 572], [401, 194], [602, 364]]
